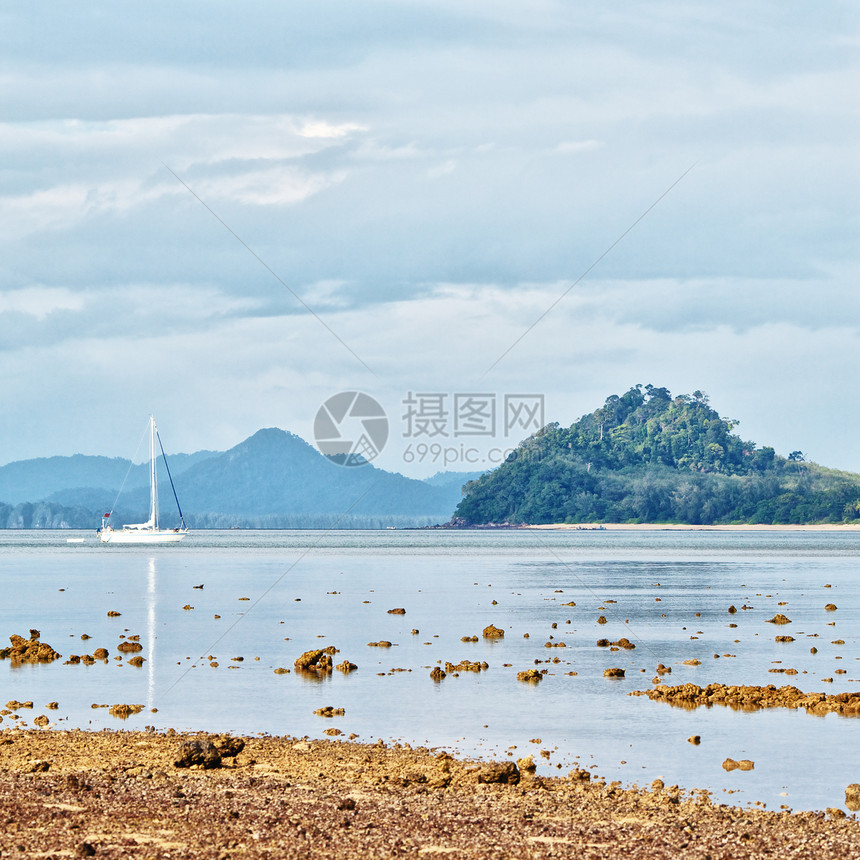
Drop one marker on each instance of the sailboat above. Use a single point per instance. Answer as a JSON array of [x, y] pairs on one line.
[[150, 531]]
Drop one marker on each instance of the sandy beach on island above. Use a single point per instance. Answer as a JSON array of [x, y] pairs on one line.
[[821, 527], [118, 794]]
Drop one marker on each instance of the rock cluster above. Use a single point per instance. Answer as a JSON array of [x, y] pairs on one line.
[[29, 650], [752, 698], [466, 666], [329, 711], [318, 660], [123, 712], [209, 752]]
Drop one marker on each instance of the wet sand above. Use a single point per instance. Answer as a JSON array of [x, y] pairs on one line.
[[120, 794]]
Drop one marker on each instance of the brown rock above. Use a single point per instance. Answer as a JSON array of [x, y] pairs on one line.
[[530, 675], [319, 660], [437, 674], [526, 764], [602, 619], [202, 754], [329, 711], [398, 611], [28, 650], [831, 607], [491, 632], [137, 661], [228, 746], [613, 672], [123, 712], [852, 797], [779, 618], [502, 772], [129, 647]]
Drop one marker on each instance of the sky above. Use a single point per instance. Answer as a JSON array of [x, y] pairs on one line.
[[225, 214]]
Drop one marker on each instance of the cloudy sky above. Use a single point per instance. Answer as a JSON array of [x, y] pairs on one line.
[[225, 213]]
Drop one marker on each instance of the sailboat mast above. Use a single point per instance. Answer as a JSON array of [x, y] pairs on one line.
[[153, 480]]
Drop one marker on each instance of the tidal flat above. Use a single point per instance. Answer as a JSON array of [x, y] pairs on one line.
[[141, 794], [204, 637]]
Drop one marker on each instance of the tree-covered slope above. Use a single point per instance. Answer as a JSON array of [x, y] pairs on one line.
[[646, 456]]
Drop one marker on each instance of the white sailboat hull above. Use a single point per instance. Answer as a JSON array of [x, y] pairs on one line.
[[143, 536], [148, 532]]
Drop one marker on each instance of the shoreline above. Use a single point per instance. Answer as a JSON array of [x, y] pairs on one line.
[[120, 793], [820, 527]]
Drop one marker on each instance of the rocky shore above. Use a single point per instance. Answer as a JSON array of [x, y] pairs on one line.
[[157, 795]]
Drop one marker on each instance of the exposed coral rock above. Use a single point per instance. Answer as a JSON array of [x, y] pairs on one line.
[[831, 607], [329, 711], [602, 619], [466, 666], [228, 746], [852, 797], [779, 618], [101, 653], [526, 764], [398, 611], [743, 764], [29, 650], [124, 711], [613, 672], [437, 674], [197, 753], [319, 660], [504, 772], [751, 698], [530, 675], [137, 661], [346, 667], [129, 647], [492, 632], [381, 644]]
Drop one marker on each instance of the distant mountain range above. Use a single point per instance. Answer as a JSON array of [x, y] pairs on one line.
[[273, 479]]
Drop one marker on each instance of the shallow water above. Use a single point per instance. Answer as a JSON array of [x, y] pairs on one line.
[[312, 589]]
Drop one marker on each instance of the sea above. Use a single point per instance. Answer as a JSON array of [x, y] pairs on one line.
[[218, 614]]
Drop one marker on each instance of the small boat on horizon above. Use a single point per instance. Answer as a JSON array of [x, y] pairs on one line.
[[150, 531]]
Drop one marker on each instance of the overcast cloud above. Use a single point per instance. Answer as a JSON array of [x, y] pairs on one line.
[[428, 178]]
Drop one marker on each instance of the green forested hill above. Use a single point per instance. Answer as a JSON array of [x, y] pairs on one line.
[[646, 456]]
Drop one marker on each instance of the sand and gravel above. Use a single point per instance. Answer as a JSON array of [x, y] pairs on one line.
[[118, 794]]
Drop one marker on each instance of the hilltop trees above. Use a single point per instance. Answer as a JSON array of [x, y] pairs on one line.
[[649, 457]]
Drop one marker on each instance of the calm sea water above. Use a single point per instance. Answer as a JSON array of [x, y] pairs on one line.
[[668, 592]]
